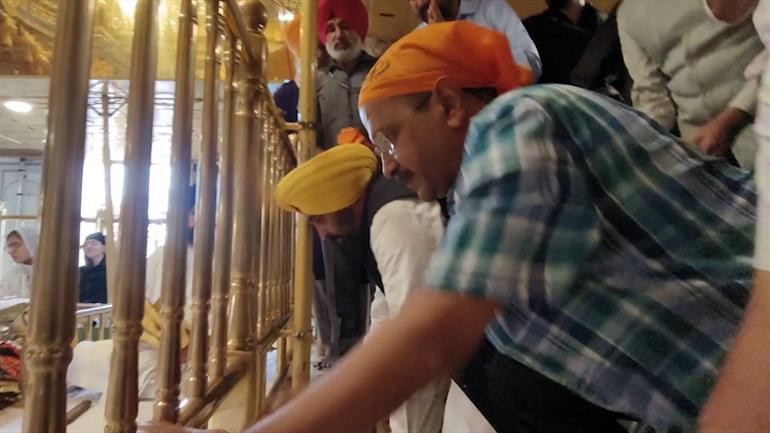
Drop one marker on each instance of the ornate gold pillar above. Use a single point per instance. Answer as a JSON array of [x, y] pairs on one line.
[[302, 333], [205, 215], [128, 306], [52, 311], [168, 373]]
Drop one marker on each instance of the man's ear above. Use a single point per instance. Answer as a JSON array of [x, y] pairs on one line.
[[449, 96]]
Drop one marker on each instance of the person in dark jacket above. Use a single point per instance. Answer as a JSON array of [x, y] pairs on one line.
[[93, 276], [561, 35], [602, 68]]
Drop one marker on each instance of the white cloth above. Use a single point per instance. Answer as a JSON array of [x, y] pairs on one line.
[[762, 128], [404, 234], [90, 367], [154, 278], [17, 280], [462, 416]]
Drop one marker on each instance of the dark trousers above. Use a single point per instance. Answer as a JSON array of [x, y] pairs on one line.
[[516, 399], [347, 296]]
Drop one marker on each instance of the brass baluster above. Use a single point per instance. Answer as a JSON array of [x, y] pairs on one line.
[[173, 289], [224, 230], [128, 307], [204, 225], [302, 337]]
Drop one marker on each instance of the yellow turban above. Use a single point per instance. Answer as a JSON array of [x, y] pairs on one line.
[[329, 182], [468, 54]]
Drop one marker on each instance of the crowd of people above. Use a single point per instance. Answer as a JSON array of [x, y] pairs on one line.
[[557, 219], [21, 245], [557, 213]]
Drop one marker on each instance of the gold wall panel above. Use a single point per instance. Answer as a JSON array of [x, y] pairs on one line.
[[27, 30]]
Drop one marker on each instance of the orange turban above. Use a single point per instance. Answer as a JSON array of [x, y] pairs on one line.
[[352, 135], [468, 54], [353, 12]]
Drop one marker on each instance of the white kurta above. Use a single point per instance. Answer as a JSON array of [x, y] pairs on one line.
[[404, 234], [762, 128]]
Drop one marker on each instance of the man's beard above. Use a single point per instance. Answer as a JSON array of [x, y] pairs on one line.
[[346, 54]]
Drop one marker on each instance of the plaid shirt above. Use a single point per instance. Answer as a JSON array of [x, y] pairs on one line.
[[622, 258]]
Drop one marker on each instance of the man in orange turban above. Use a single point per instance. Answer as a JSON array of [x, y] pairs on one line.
[[593, 268]]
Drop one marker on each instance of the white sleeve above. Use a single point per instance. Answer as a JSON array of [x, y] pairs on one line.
[[762, 173], [649, 92], [153, 276], [404, 234], [522, 46]]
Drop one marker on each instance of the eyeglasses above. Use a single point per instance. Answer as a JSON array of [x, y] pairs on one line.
[[383, 145]]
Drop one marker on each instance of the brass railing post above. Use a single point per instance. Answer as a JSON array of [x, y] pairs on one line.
[[173, 288], [302, 338], [52, 311], [205, 215], [242, 329], [242, 317], [128, 307], [224, 229], [110, 259], [262, 256]]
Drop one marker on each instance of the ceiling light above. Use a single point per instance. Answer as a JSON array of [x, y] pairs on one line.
[[285, 16], [18, 106]]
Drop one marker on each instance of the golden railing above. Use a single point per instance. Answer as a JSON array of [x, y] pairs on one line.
[[253, 269], [93, 323]]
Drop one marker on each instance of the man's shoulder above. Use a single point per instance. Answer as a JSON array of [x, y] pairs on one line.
[[535, 97], [494, 10]]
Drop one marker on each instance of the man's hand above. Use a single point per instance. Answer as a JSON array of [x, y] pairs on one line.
[[731, 11], [434, 13], [163, 427], [716, 136]]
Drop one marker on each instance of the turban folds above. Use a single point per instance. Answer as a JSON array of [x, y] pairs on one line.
[[468, 54], [353, 12], [351, 135], [329, 182]]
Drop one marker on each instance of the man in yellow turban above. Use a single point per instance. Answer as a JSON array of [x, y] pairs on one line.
[[392, 233], [593, 268]]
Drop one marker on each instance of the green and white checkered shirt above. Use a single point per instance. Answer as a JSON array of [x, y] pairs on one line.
[[623, 258]]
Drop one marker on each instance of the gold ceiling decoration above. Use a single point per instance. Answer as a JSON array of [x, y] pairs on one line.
[[27, 29]]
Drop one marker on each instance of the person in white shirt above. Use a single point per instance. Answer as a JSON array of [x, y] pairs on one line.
[[154, 272], [21, 244], [687, 72], [394, 233], [739, 401], [495, 15]]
